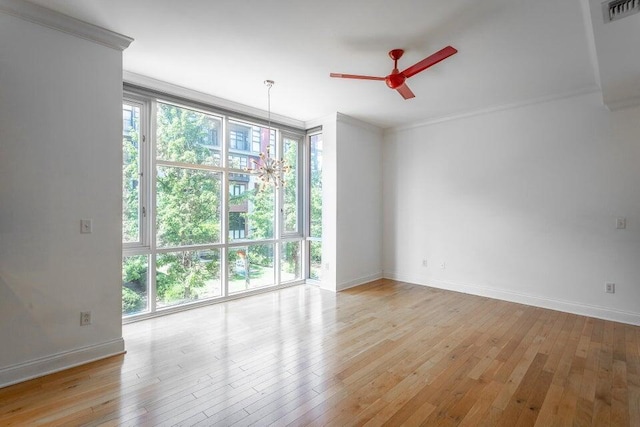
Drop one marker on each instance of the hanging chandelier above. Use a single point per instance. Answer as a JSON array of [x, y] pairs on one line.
[[269, 170]]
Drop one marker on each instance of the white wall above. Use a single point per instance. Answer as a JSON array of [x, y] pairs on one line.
[[60, 157], [359, 203], [351, 201], [520, 205], [618, 71], [329, 200]]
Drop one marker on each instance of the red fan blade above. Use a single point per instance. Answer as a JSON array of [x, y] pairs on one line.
[[430, 61], [405, 91], [355, 76]]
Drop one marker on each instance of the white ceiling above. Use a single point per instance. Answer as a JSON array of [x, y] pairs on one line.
[[510, 51]]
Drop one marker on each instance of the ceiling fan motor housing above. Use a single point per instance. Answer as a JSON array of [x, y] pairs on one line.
[[395, 80]]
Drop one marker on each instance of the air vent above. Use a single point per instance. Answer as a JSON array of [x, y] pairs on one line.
[[618, 9]]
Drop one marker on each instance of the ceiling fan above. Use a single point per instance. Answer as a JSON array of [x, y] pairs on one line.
[[396, 80]]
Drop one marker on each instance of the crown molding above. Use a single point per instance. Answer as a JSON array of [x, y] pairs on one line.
[[58, 21], [340, 117], [481, 111], [194, 95], [322, 121], [623, 103]]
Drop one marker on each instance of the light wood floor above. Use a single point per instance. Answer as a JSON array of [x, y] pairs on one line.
[[386, 353]]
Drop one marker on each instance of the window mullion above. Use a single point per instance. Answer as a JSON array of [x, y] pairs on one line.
[[278, 215], [224, 209], [169, 163], [151, 212]]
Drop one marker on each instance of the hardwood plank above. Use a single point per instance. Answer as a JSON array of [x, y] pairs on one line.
[[518, 402], [481, 405], [385, 353], [550, 406], [602, 403], [534, 403], [619, 394]]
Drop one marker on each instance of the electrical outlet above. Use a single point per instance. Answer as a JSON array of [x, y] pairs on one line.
[[443, 265], [610, 288], [424, 262], [86, 226], [85, 318], [621, 223]]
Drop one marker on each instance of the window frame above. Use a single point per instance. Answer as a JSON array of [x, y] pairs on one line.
[[300, 210], [149, 166], [143, 183], [307, 223]]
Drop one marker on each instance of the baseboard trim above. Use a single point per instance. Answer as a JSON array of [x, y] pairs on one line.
[[598, 312], [59, 362], [359, 281]]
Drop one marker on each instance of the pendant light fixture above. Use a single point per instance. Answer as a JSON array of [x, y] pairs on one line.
[[269, 170]]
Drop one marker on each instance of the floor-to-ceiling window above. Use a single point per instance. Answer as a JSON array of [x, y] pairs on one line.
[[314, 238], [196, 225]]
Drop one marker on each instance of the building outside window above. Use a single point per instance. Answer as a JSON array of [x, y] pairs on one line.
[[239, 138]]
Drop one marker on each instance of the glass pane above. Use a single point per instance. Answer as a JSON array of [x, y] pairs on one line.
[[183, 277], [134, 284], [250, 267], [245, 138], [290, 193], [130, 173], [315, 260], [251, 210], [188, 136], [316, 185], [246, 142], [290, 263], [188, 206]]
